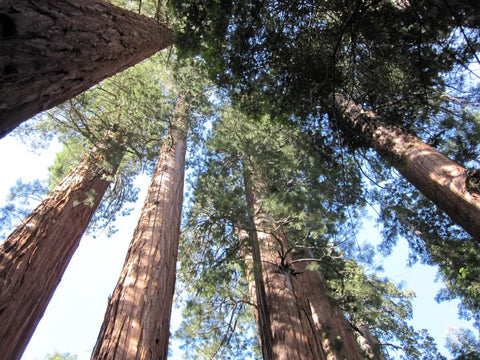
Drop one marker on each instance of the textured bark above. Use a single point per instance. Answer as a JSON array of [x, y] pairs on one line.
[[437, 177], [136, 323], [52, 50], [34, 257], [293, 335], [369, 343], [256, 287], [339, 341]]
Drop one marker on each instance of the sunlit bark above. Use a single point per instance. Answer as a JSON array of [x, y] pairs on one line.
[[136, 323], [34, 257], [52, 50], [291, 330], [339, 341], [303, 321], [437, 177]]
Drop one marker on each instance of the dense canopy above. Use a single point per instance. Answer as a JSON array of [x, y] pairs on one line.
[[304, 117]]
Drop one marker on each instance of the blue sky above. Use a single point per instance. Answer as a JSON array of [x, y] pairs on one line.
[[75, 313]]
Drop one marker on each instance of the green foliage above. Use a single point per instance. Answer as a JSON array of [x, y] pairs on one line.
[[287, 58], [463, 344], [21, 198], [217, 320], [299, 193], [380, 306], [280, 62], [72, 152], [409, 62]]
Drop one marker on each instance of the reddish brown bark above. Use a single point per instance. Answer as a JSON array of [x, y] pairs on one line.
[[437, 177], [52, 50], [256, 287], [291, 330], [303, 321], [339, 341], [34, 257], [136, 323]]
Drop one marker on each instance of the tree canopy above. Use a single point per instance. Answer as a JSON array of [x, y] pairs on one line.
[[263, 76]]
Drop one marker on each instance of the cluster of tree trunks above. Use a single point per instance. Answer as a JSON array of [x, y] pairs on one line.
[[295, 317], [51, 51], [34, 257]]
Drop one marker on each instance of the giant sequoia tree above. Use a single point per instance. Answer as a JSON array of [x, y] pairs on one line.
[[52, 51], [279, 213], [386, 58], [34, 257], [137, 320], [449, 185], [136, 324]]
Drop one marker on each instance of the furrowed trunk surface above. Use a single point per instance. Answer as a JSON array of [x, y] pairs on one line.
[[52, 50], [437, 177], [136, 323], [369, 343], [34, 257], [339, 341], [254, 274], [293, 335]]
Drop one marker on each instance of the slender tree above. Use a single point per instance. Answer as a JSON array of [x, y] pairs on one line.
[[136, 323], [34, 257], [52, 51]]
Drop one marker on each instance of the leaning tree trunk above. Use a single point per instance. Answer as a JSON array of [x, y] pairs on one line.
[[52, 50], [447, 184], [339, 340], [136, 323], [34, 257], [292, 332]]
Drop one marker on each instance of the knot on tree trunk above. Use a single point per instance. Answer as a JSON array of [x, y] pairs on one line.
[[472, 181]]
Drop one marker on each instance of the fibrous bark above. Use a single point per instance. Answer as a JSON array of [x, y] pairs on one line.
[[34, 257], [52, 50], [136, 323], [256, 286], [304, 322], [437, 177], [291, 332], [339, 341]]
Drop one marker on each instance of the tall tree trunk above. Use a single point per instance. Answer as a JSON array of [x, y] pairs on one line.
[[34, 257], [52, 50], [291, 334], [304, 323], [256, 286], [136, 323], [440, 179], [339, 341]]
